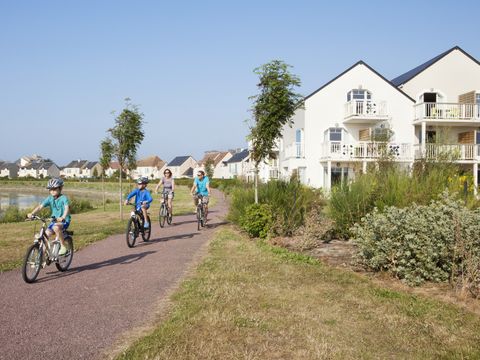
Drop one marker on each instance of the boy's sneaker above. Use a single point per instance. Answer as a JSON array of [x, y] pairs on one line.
[[146, 225], [63, 250]]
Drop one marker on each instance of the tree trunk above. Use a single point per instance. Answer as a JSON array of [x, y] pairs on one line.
[[255, 177], [121, 197], [103, 191]]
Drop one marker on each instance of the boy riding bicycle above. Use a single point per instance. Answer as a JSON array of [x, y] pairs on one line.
[[142, 199], [60, 207], [201, 186]]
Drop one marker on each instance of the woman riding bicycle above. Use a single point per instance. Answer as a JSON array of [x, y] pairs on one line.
[[168, 188]]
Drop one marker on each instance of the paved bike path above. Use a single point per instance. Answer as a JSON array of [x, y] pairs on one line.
[[109, 290]]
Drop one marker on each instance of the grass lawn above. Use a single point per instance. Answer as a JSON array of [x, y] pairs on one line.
[[248, 300], [88, 227]]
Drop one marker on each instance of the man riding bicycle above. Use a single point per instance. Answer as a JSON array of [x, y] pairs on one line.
[[201, 186]]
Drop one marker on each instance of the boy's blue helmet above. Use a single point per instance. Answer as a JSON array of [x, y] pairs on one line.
[[54, 183], [142, 180]]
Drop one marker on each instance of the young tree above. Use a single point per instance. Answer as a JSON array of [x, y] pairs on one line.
[[209, 168], [106, 154], [273, 108], [127, 135]]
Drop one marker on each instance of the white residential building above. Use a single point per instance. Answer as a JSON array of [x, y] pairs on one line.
[[74, 169], [182, 166], [239, 165], [334, 136], [219, 161], [150, 167]]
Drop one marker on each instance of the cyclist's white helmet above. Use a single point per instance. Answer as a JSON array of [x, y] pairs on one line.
[[142, 180], [54, 183]]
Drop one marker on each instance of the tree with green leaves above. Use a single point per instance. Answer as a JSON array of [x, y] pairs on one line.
[[273, 108], [126, 137], [209, 168], [106, 154]]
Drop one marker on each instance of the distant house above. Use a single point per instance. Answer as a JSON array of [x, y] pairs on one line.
[[74, 169], [180, 166], [91, 169], [28, 160], [9, 170], [28, 170], [46, 169], [219, 161], [114, 166], [150, 167], [239, 165]]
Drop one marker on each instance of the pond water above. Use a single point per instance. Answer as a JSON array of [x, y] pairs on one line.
[[22, 200]]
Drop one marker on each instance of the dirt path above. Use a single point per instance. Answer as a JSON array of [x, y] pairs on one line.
[[110, 290]]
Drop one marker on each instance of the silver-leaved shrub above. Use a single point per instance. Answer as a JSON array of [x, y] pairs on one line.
[[436, 242]]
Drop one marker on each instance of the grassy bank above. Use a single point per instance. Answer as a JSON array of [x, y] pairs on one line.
[[248, 300], [89, 227]]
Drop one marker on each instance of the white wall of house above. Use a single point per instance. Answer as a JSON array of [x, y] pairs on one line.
[[326, 109], [177, 171], [24, 172], [72, 172], [146, 171], [453, 75]]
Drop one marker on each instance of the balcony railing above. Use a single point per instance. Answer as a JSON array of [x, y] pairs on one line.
[[455, 152], [295, 150], [366, 109], [447, 111], [366, 150]]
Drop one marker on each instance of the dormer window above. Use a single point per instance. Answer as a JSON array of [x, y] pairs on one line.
[[359, 95]]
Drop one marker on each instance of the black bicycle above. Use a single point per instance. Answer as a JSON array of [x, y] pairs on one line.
[[164, 213], [135, 227], [201, 211], [44, 252]]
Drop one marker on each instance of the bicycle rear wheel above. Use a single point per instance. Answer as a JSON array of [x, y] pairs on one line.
[[131, 232], [147, 232], [199, 217], [32, 263], [64, 261]]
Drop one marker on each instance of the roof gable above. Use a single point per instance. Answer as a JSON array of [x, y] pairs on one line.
[[409, 75], [361, 62], [238, 157]]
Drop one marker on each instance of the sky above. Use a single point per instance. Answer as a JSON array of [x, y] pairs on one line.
[[65, 66]]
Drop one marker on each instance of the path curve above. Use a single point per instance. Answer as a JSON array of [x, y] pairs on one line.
[[110, 290]]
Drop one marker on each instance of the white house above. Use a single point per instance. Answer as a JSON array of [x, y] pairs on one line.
[[90, 170], [114, 166], [182, 166], [74, 169], [150, 167], [334, 136], [9, 170], [47, 169], [219, 161], [239, 165]]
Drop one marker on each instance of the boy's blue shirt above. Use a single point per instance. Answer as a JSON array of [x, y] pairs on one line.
[[57, 206], [140, 196]]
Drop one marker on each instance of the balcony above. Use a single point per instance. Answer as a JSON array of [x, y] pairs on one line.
[[447, 113], [295, 150], [457, 152], [365, 112], [336, 150]]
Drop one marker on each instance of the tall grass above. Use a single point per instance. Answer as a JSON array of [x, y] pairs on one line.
[[394, 185]]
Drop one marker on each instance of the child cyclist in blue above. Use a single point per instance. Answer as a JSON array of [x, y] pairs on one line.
[[60, 206], [142, 198]]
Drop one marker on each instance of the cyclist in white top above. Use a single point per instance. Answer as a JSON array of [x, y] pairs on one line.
[[168, 187]]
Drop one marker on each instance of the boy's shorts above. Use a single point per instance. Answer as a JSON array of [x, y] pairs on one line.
[[139, 207], [65, 225]]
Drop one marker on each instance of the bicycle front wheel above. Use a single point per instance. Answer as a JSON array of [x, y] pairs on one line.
[[131, 232], [32, 263], [162, 215], [64, 261], [147, 232]]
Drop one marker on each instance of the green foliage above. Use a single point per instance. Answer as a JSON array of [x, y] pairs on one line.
[[434, 242], [289, 201], [106, 153], [257, 220], [392, 185], [209, 168], [78, 206]]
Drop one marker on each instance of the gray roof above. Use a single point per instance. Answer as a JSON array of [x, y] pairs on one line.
[[10, 166], [188, 172], [91, 164], [77, 164], [238, 157], [179, 160], [402, 79]]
